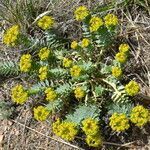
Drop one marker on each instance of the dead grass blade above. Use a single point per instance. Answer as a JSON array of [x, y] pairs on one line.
[[52, 138]]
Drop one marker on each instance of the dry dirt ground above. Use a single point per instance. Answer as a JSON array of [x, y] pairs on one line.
[[22, 132]]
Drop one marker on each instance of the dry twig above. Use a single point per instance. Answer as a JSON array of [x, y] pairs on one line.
[[58, 140]]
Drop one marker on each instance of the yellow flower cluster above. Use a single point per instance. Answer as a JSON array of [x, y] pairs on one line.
[[51, 95], [94, 141], [43, 72], [90, 126], [41, 113], [132, 88], [55, 126], [75, 71], [81, 12], [95, 23], [79, 93], [119, 122], [139, 115], [11, 35], [124, 48], [18, 94], [123, 53], [149, 116], [85, 43], [67, 62], [116, 72], [46, 22], [66, 130], [110, 20], [121, 57], [44, 53], [74, 45], [25, 62], [91, 129]]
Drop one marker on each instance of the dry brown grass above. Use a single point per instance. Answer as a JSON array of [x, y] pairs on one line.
[[137, 34]]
